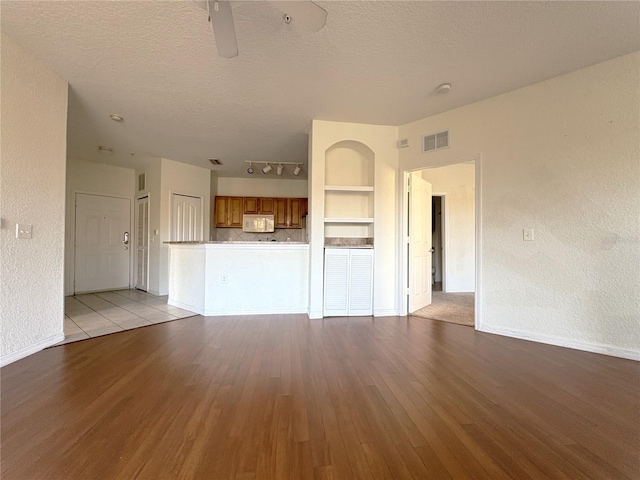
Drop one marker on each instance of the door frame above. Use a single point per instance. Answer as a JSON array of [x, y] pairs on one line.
[[72, 234], [403, 269]]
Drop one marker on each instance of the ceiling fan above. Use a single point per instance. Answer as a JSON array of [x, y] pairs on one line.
[[304, 11]]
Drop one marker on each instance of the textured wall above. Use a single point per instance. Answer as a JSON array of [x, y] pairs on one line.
[[256, 186], [458, 183], [561, 157], [33, 144], [91, 177]]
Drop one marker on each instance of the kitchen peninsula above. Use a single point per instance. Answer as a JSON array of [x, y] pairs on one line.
[[239, 278]]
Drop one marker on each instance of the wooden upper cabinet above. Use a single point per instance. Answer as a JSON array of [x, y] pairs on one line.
[[251, 205], [294, 213], [304, 208], [267, 206], [287, 212], [235, 211], [221, 208], [280, 211]]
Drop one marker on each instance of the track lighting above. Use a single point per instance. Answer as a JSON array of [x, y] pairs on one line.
[[250, 169], [268, 166], [267, 169], [296, 171], [280, 169]]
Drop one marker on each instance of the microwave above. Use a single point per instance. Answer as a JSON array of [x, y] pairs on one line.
[[258, 223]]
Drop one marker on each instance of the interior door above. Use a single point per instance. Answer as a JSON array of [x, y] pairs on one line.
[[186, 218], [142, 244], [420, 239], [101, 243]]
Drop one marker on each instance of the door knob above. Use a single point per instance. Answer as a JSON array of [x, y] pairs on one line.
[[126, 238]]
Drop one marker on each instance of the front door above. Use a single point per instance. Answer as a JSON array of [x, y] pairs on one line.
[[102, 243], [420, 242], [186, 218]]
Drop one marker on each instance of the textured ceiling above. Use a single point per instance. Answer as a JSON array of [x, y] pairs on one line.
[[155, 63]]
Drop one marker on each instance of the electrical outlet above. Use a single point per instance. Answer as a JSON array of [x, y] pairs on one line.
[[224, 279], [527, 234]]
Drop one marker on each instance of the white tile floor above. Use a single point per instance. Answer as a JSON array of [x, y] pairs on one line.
[[94, 314]]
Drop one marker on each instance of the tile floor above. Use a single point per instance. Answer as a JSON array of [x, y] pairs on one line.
[[94, 314]]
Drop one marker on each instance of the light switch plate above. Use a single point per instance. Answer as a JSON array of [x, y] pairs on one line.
[[527, 234], [23, 231]]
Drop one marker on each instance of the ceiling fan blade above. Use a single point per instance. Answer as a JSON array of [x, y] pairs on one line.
[[223, 29], [304, 12]]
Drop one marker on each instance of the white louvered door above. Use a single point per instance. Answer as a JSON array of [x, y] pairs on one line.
[[348, 282], [142, 244]]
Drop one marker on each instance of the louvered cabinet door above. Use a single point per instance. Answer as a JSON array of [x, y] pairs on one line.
[[360, 282], [348, 282], [336, 282]]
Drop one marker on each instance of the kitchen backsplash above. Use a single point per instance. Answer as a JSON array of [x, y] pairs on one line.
[[280, 235]]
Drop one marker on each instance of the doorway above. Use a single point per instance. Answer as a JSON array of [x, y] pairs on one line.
[[142, 244], [102, 235], [454, 232]]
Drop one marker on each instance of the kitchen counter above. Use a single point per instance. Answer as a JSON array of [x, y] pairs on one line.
[[231, 242], [239, 278]]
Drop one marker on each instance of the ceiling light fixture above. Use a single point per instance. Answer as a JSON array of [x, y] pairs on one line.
[[267, 169], [296, 171], [105, 150], [280, 169], [116, 118], [250, 169], [444, 88]]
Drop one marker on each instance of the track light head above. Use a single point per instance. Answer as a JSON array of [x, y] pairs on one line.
[[297, 170], [250, 169], [266, 169], [280, 169]]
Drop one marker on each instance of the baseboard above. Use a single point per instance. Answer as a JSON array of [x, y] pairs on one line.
[[315, 314], [564, 342], [31, 349], [184, 306], [276, 311], [386, 312]]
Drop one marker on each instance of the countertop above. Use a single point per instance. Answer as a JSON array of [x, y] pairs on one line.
[[230, 242]]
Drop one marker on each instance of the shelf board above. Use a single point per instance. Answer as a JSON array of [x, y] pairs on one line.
[[347, 188], [348, 220]]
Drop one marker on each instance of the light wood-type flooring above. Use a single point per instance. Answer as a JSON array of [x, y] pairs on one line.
[[285, 397]]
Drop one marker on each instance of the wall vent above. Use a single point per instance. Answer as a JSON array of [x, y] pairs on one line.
[[215, 161], [404, 143], [141, 182], [435, 141]]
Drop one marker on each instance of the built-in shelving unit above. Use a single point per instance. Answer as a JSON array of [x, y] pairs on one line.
[[349, 191]]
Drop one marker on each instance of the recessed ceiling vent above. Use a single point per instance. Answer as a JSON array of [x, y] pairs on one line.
[[141, 182], [215, 161], [435, 141]]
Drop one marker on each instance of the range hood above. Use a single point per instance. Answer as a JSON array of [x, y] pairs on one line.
[[258, 223]]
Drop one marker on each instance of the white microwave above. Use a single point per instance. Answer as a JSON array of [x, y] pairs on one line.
[[258, 223]]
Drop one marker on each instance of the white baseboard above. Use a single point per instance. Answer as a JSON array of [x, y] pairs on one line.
[[184, 306], [31, 349], [564, 342], [274, 311], [315, 314], [386, 312]]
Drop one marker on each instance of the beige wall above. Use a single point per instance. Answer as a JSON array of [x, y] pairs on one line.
[[262, 187], [32, 191], [561, 157]]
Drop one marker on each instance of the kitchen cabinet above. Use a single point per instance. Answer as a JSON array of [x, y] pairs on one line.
[[348, 282], [228, 211], [287, 212]]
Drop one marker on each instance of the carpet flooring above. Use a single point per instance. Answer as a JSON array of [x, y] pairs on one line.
[[450, 307]]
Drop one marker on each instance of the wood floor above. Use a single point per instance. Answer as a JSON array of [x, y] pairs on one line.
[[284, 397]]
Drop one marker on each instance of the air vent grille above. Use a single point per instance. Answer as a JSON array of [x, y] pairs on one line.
[[141, 182], [215, 161], [435, 141]]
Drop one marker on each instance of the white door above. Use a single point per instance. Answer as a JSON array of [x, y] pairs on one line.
[[142, 244], [420, 239], [101, 243], [186, 218]]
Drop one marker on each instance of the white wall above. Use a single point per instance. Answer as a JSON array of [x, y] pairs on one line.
[[457, 183], [382, 141], [262, 187], [97, 178], [32, 191], [561, 157]]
